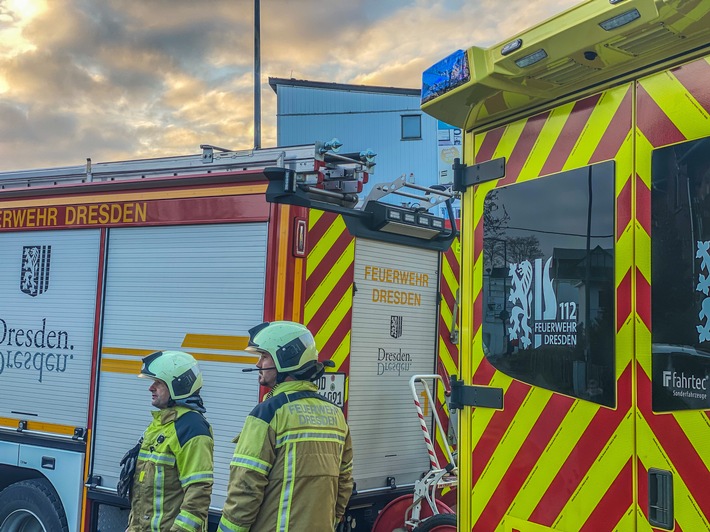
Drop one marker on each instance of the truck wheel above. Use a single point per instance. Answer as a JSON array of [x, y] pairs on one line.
[[31, 506], [438, 523]]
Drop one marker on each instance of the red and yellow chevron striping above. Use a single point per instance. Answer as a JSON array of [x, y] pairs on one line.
[[329, 286], [448, 354]]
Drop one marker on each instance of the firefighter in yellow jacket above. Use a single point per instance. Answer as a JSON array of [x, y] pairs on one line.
[[172, 483], [292, 466]]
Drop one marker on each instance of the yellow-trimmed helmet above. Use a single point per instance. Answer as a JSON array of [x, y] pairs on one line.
[[177, 369], [290, 344]]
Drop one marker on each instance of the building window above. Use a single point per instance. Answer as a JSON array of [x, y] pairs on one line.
[[411, 127]]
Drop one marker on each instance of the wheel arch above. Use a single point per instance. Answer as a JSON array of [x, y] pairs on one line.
[[12, 474], [62, 467]]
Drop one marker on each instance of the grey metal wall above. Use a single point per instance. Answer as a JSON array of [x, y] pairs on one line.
[[360, 120]]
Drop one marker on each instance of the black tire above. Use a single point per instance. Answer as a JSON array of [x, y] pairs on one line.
[[31, 506], [437, 523]]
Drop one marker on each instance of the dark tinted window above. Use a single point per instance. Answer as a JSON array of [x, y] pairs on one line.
[[548, 282], [680, 276], [411, 127]]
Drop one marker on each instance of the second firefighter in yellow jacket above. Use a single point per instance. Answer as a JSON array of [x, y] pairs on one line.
[[173, 478], [292, 466]]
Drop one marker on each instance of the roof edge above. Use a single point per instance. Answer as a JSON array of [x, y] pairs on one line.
[[291, 82]]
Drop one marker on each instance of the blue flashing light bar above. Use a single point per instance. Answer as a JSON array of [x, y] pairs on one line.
[[445, 75]]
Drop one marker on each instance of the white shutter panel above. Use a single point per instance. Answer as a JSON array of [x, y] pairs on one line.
[[48, 296], [393, 338], [162, 284]]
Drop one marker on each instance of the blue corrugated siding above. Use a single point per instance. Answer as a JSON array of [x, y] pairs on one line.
[[360, 120], [304, 100]]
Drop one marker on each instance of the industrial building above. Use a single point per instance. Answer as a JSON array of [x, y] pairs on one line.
[[387, 120]]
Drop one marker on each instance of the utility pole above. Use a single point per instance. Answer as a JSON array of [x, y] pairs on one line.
[[257, 74]]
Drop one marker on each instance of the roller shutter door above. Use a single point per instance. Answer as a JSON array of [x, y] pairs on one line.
[[393, 338], [48, 287], [192, 288]]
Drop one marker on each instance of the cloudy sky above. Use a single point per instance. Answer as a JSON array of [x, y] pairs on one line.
[[123, 79]]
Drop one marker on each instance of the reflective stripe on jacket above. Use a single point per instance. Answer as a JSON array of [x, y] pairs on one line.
[[292, 466], [172, 486]]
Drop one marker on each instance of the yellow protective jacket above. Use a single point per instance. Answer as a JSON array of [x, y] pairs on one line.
[[292, 466], [172, 486]]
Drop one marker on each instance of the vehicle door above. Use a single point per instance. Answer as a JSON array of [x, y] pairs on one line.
[[547, 288]]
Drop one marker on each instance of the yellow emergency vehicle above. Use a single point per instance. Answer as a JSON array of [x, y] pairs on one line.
[[585, 269]]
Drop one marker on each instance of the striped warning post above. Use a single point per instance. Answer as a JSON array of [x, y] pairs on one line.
[[433, 460]]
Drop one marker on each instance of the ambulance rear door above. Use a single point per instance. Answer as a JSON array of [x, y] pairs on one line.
[[547, 319], [673, 325]]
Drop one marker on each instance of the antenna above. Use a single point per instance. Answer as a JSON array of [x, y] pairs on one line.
[[257, 74]]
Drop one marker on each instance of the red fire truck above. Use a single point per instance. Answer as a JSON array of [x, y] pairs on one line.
[[105, 263]]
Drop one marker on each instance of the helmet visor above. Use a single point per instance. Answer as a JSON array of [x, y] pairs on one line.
[[254, 331], [147, 361]]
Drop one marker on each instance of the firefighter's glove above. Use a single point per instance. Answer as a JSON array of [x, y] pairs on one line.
[[128, 470]]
